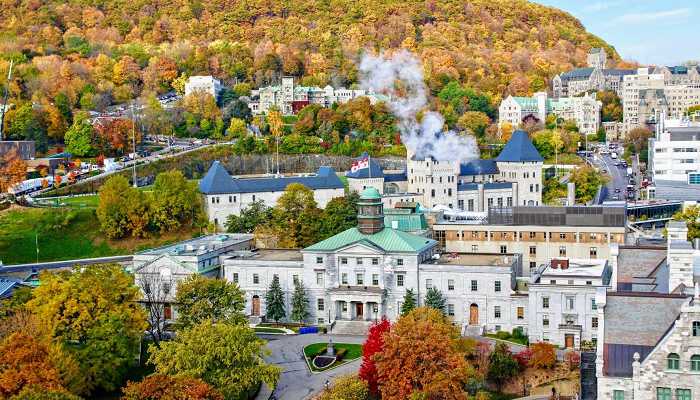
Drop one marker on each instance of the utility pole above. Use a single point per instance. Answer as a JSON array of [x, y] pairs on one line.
[[133, 141], [4, 101]]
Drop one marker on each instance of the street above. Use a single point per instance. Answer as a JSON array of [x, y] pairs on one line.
[[617, 174]]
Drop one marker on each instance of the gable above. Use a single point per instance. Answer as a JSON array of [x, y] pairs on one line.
[[362, 247], [163, 261]]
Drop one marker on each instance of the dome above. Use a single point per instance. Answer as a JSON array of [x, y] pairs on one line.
[[370, 193]]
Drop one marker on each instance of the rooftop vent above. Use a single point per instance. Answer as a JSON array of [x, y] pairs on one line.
[[563, 264]]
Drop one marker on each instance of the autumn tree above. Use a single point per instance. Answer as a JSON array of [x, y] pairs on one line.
[[339, 215], [474, 122], [611, 110], [409, 302], [25, 362], [122, 210], [691, 216], [637, 141], [164, 387], [93, 308], [176, 202], [373, 345], [421, 358], [543, 355], [200, 298], [275, 308], [300, 303], [254, 214], [120, 134], [13, 170], [502, 365], [79, 137], [237, 128], [228, 357], [296, 220], [347, 387], [587, 181]]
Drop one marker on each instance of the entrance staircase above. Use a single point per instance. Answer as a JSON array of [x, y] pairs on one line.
[[346, 327], [473, 330]]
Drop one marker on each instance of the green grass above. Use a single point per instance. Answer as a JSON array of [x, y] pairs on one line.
[[510, 338], [354, 351], [89, 201], [64, 234], [264, 329]]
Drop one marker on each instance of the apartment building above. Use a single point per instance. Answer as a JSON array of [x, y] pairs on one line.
[[584, 110]]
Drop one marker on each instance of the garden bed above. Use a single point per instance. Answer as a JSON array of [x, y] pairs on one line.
[[344, 353]]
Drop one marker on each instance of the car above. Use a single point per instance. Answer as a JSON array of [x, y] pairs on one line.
[[616, 197], [617, 190], [617, 164]]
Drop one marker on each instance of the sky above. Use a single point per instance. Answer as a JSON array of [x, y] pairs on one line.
[[660, 32]]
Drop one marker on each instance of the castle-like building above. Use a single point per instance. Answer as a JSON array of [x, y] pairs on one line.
[[595, 77]]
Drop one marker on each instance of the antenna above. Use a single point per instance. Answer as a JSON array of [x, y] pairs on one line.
[[4, 100]]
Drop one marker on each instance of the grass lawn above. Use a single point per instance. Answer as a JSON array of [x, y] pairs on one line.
[[64, 234], [510, 338], [89, 201], [354, 351]]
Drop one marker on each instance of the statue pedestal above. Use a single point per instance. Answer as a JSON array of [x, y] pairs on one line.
[[330, 350]]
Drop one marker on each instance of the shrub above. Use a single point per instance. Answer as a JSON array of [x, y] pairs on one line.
[[503, 335], [543, 355], [523, 358], [518, 333]]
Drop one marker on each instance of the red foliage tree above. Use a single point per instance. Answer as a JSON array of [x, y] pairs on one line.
[[543, 355], [374, 344], [572, 359], [523, 358], [163, 387], [25, 362]]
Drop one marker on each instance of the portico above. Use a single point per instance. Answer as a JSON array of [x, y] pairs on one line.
[[356, 303]]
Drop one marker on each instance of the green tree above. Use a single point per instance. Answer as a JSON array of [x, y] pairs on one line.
[[228, 357], [300, 303], [256, 213], [502, 365], [474, 122], [79, 137], [611, 110], [348, 387], [242, 89], [122, 210], [154, 117], [296, 217], [340, 214], [26, 123], [435, 299], [274, 301], [200, 298], [409, 302], [691, 216], [35, 393], [94, 310], [587, 181], [176, 202]]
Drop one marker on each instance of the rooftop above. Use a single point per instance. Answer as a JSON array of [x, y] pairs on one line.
[[478, 167], [519, 149], [218, 181], [389, 240], [375, 169], [268, 255], [473, 259], [199, 246], [637, 262], [592, 268]]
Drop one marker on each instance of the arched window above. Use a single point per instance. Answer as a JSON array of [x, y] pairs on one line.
[[696, 328], [695, 363], [673, 361]]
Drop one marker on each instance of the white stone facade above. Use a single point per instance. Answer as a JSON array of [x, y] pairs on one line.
[[206, 84], [674, 151]]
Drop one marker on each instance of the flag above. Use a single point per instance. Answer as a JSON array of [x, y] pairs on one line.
[[362, 163]]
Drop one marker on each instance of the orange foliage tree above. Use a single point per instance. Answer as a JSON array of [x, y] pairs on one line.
[[422, 357], [117, 134], [543, 355], [12, 170], [25, 361], [163, 387]]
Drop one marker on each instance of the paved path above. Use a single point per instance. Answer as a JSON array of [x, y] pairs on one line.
[[296, 381]]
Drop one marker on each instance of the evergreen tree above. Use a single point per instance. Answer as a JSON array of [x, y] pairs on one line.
[[434, 299], [274, 300], [300, 303], [409, 302]]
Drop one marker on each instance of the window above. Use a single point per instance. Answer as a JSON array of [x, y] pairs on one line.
[[545, 321], [320, 321], [673, 361], [428, 283], [562, 251], [320, 305], [533, 264], [589, 283], [319, 278], [545, 302], [359, 279], [663, 393], [618, 395], [683, 394], [375, 279], [256, 279], [570, 302], [570, 282], [532, 235], [695, 363], [504, 249], [490, 202], [450, 284], [475, 286], [497, 311], [319, 260], [593, 304], [470, 205], [451, 310], [593, 252], [533, 250], [359, 261], [343, 260], [375, 261], [235, 277], [399, 261], [520, 312], [594, 322], [696, 328], [344, 278], [399, 280], [475, 248], [497, 286], [295, 279], [562, 236]]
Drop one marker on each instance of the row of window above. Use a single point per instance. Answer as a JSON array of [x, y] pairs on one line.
[[231, 199], [664, 393], [673, 362], [358, 261], [569, 320], [295, 278], [474, 285], [360, 279], [570, 301]]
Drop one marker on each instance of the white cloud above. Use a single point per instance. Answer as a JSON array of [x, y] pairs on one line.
[[599, 6], [638, 18]]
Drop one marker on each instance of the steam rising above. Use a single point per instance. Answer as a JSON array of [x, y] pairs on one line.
[[401, 78]]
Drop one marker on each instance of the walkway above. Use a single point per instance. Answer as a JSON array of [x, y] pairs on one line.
[[296, 381]]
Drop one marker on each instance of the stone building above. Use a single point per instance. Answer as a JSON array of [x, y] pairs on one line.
[[225, 195], [206, 84], [595, 77], [584, 110]]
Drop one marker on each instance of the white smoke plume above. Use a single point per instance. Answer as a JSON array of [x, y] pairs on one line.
[[400, 77]]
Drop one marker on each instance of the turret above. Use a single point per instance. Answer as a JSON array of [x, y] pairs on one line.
[[370, 212]]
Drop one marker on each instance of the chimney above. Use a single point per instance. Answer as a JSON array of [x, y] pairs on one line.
[[560, 263]]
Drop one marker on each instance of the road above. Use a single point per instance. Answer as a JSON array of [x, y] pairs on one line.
[[296, 381], [618, 176]]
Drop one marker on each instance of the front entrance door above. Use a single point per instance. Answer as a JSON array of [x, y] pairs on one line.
[[359, 311], [256, 306], [473, 314], [167, 312], [568, 341]]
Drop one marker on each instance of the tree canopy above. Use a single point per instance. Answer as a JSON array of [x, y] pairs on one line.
[[200, 298]]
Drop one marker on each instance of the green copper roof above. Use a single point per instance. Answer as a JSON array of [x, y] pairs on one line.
[[389, 240], [370, 193], [406, 222]]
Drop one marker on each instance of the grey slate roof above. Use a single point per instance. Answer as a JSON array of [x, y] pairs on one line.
[[519, 149], [465, 187], [7, 287], [218, 181], [637, 262], [374, 167], [397, 177], [585, 73], [478, 167], [635, 322]]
